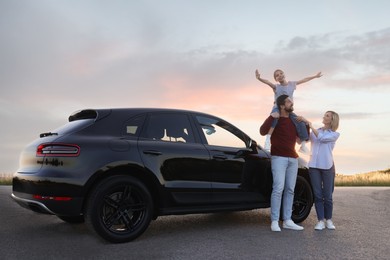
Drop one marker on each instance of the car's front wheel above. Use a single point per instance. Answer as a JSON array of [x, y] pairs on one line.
[[119, 209], [303, 200]]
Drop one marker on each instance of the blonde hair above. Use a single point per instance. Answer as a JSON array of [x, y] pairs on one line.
[[277, 71], [335, 120]]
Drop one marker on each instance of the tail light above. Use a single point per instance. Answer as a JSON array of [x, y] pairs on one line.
[[41, 197], [58, 149]]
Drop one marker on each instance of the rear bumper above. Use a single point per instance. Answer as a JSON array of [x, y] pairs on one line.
[[32, 205], [72, 207], [47, 195]]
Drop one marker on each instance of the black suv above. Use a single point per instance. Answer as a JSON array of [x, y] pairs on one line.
[[117, 169]]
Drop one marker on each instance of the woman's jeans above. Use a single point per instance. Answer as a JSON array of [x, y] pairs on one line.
[[322, 182], [284, 172]]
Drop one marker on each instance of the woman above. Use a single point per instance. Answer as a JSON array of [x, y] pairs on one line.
[[321, 167]]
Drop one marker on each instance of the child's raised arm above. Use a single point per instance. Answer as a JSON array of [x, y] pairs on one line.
[[264, 80], [309, 78]]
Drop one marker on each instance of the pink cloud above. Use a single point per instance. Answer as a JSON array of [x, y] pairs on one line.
[[244, 102]]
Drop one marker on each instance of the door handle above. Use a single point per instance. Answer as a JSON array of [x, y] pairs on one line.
[[152, 152], [220, 157]]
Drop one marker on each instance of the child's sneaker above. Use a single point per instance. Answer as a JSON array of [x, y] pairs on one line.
[[303, 149], [267, 143]]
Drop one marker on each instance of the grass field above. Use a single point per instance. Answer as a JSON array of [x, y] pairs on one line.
[[376, 178], [5, 179]]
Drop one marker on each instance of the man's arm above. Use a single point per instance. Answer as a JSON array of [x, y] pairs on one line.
[[265, 127]]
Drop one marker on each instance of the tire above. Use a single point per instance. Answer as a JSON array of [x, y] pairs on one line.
[[119, 209], [72, 219], [303, 200]]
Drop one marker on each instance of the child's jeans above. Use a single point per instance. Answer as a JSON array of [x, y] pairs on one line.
[[300, 126]]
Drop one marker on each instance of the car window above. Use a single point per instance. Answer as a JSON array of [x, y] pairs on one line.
[[133, 126], [220, 133], [170, 127], [74, 126]]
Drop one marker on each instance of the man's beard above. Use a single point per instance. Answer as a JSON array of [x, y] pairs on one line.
[[291, 109]]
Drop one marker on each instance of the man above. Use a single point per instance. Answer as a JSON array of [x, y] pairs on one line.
[[284, 163]]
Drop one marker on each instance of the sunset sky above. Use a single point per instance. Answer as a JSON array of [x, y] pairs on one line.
[[61, 56]]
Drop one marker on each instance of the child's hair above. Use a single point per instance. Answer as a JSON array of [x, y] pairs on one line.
[[335, 120], [277, 71]]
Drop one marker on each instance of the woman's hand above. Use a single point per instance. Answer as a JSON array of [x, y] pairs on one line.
[[302, 119]]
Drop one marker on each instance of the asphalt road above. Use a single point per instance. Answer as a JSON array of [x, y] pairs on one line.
[[361, 216]]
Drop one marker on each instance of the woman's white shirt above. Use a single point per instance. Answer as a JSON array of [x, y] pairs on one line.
[[321, 156]]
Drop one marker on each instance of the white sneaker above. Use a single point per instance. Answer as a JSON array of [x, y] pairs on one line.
[[267, 143], [275, 226], [330, 225], [289, 224], [320, 225], [303, 149]]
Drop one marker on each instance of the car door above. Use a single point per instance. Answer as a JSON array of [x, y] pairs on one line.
[[238, 170], [171, 149]]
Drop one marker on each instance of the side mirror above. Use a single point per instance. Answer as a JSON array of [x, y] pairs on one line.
[[209, 129], [252, 148], [253, 145]]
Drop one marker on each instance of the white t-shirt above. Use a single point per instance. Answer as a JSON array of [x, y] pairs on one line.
[[285, 90]]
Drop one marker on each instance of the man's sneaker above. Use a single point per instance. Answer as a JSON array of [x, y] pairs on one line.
[[289, 224], [275, 226], [320, 225], [303, 149], [329, 224]]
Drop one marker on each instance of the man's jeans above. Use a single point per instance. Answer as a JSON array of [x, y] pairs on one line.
[[284, 172], [322, 182]]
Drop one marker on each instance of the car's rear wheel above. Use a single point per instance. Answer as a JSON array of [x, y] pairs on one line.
[[303, 200], [119, 209]]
